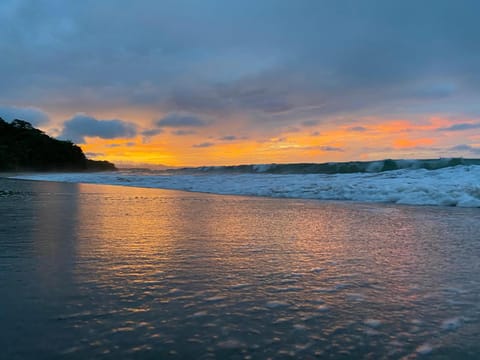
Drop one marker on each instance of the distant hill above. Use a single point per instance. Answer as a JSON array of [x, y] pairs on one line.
[[25, 148]]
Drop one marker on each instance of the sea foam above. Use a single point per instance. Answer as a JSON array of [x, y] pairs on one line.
[[448, 186]]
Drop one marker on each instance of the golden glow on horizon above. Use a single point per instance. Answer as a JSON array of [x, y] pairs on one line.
[[407, 143], [372, 139]]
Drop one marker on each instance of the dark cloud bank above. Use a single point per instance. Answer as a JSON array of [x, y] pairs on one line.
[[80, 126], [34, 116], [273, 60]]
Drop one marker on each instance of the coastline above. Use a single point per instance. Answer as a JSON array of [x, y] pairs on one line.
[[451, 187]]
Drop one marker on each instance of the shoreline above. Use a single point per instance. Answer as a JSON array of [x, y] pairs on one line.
[[347, 203], [450, 187]]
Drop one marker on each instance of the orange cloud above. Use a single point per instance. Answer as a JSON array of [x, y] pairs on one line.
[[409, 143], [240, 143]]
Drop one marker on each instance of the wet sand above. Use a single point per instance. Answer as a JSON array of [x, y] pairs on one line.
[[89, 271]]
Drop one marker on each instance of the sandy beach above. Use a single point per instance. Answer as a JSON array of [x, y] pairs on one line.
[[115, 272]]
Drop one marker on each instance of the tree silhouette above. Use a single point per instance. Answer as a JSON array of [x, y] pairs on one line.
[[23, 147]]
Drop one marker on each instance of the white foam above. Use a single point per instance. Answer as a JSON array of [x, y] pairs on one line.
[[200, 314], [323, 308], [276, 304], [452, 186], [424, 349], [215, 298], [262, 167], [373, 323]]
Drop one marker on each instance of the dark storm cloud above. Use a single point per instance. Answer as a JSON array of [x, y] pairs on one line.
[[80, 126], [277, 60], [181, 120], [32, 115]]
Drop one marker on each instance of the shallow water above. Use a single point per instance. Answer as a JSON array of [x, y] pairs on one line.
[[114, 272], [452, 186]]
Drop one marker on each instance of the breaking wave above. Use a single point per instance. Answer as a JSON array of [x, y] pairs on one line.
[[334, 167], [442, 182]]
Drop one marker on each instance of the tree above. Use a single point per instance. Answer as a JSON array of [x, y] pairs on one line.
[[23, 147]]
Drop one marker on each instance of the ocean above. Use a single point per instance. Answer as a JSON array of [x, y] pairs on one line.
[[128, 272], [441, 182]]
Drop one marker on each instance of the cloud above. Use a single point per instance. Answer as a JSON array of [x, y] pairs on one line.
[[274, 63], [127, 144], [467, 148], [460, 127], [264, 100], [183, 132], [80, 126], [331, 148], [309, 123], [203, 145], [32, 115], [94, 154], [436, 91], [181, 120], [151, 132], [228, 138], [357, 129], [375, 35], [291, 129]]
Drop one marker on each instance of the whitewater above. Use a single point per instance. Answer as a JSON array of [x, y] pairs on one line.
[[413, 185]]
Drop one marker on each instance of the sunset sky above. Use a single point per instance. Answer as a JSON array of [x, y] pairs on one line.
[[185, 83]]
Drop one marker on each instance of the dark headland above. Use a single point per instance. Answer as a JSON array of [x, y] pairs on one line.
[[25, 148]]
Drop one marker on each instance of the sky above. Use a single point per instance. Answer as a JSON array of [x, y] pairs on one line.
[[189, 83]]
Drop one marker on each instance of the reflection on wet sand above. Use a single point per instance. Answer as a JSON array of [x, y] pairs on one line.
[[130, 272]]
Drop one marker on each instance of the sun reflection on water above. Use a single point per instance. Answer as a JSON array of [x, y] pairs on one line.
[[128, 270]]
